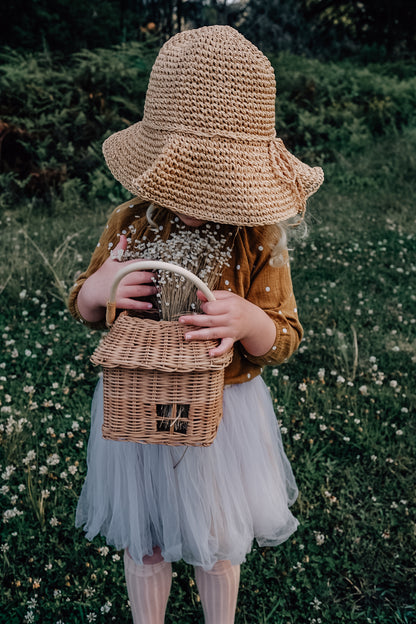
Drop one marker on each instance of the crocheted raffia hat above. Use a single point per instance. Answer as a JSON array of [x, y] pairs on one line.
[[207, 145]]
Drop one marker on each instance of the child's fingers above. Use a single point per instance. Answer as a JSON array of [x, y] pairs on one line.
[[116, 254], [133, 304], [203, 320], [225, 345], [137, 290], [220, 295], [208, 333], [213, 333], [138, 277], [122, 243], [201, 295]]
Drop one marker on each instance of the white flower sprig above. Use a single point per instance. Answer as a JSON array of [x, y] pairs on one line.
[[205, 251]]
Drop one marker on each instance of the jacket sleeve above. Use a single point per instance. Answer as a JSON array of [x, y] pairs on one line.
[[271, 289], [118, 224]]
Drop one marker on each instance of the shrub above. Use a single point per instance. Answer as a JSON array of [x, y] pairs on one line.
[[54, 116]]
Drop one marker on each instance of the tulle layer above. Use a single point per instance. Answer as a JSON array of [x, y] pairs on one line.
[[211, 505]]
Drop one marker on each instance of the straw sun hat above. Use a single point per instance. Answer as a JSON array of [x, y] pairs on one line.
[[207, 145]]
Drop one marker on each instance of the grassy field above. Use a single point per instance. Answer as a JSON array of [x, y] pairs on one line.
[[345, 401]]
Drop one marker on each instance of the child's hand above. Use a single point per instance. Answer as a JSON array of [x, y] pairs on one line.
[[94, 294], [231, 318]]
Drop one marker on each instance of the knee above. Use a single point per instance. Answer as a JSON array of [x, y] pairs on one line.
[[221, 567], [156, 557]]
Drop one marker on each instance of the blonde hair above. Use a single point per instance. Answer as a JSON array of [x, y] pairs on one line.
[[149, 216], [279, 255]]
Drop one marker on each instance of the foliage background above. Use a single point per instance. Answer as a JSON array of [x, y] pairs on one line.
[[71, 74]]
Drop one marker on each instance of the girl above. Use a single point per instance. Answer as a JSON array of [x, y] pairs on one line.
[[204, 161]]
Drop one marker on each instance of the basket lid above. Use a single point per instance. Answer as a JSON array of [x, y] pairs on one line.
[[155, 345]]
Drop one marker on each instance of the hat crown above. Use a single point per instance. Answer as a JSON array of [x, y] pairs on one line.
[[211, 80]]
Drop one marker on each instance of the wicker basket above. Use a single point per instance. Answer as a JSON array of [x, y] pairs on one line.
[[159, 388]]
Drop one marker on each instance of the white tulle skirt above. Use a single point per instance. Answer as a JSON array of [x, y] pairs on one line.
[[211, 505]]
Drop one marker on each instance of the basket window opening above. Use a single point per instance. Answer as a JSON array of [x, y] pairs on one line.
[[173, 418]]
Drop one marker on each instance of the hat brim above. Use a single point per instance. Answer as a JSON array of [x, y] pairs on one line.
[[216, 179]]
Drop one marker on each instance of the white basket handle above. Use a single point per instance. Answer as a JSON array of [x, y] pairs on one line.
[[145, 265]]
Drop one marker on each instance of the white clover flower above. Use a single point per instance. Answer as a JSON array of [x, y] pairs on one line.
[[106, 607], [104, 550], [316, 604], [53, 459], [332, 499], [8, 472], [30, 457], [11, 513]]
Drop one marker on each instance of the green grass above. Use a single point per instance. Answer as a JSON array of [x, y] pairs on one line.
[[346, 403]]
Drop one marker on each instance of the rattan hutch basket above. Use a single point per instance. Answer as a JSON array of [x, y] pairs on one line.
[[159, 388]]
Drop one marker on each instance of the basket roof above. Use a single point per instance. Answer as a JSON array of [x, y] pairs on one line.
[[155, 345]]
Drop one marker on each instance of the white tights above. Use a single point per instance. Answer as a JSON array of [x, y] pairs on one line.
[[148, 588], [218, 589]]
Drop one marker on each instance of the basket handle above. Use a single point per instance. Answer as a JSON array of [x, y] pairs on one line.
[[145, 265]]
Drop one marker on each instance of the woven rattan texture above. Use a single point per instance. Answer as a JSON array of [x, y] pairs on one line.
[[206, 146], [134, 342], [132, 398], [148, 365]]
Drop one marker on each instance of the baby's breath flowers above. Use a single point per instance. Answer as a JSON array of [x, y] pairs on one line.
[[205, 251]]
